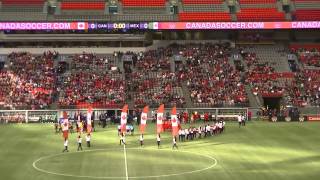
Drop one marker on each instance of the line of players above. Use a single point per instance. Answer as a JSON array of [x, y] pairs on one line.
[[202, 131], [185, 134]]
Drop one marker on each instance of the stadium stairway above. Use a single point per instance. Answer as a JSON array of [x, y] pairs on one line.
[[297, 61], [273, 55], [130, 102], [186, 93], [254, 101]]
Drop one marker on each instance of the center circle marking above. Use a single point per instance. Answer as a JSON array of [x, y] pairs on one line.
[[214, 162]]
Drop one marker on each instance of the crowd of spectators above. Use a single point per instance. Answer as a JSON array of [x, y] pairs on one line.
[[211, 79], [92, 81], [154, 88], [91, 61], [305, 90], [28, 81], [164, 75], [308, 56], [154, 60], [262, 77], [153, 83]]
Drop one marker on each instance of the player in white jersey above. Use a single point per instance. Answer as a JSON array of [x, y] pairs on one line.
[[239, 120], [88, 139], [79, 143]]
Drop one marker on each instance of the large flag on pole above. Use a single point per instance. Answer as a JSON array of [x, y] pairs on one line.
[[144, 117], [160, 119], [123, 122], [174, 122], [89, 118], [65, 125]]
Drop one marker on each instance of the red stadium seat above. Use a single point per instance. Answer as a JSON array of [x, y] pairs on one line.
[[305, 46], [139, 3], [23, 2], [257, 1], [256, 14], [202, 1], [307, 14], [204, 16], [82, 5]]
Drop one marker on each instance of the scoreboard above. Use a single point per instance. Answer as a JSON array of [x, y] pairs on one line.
[[158, 25], [111, 26]]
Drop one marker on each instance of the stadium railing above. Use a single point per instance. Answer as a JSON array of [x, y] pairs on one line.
[[41, 116]]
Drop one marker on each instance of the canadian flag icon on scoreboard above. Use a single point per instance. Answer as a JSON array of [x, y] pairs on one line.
[[79, 25], [82, 25]]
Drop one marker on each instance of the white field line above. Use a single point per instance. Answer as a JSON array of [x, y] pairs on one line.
[[125, 161]]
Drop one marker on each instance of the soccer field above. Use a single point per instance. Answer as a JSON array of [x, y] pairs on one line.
[[261, 150]]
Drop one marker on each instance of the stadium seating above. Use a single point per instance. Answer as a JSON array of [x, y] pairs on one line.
[[309, 14], [141, 3], [306, 10], [154, 88], [152, 83], [257, 1], [144, 10], [212, 81], [260, 14], [82, 10], [260, 10], [22, 10], [23, 2], [204, 78], [308, 54], [159, 10], [194, 2], [29, 82], [22, 5], [74, 5], [91, 83], [204, 10], [268, 80], [305, 46], [305, 89], [204, 16]]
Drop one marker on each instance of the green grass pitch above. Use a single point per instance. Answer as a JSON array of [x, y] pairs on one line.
[[261, 150]]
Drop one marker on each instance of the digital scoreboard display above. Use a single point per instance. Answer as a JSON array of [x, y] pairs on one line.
[[158, 25], [235, 25], [111, 26]]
